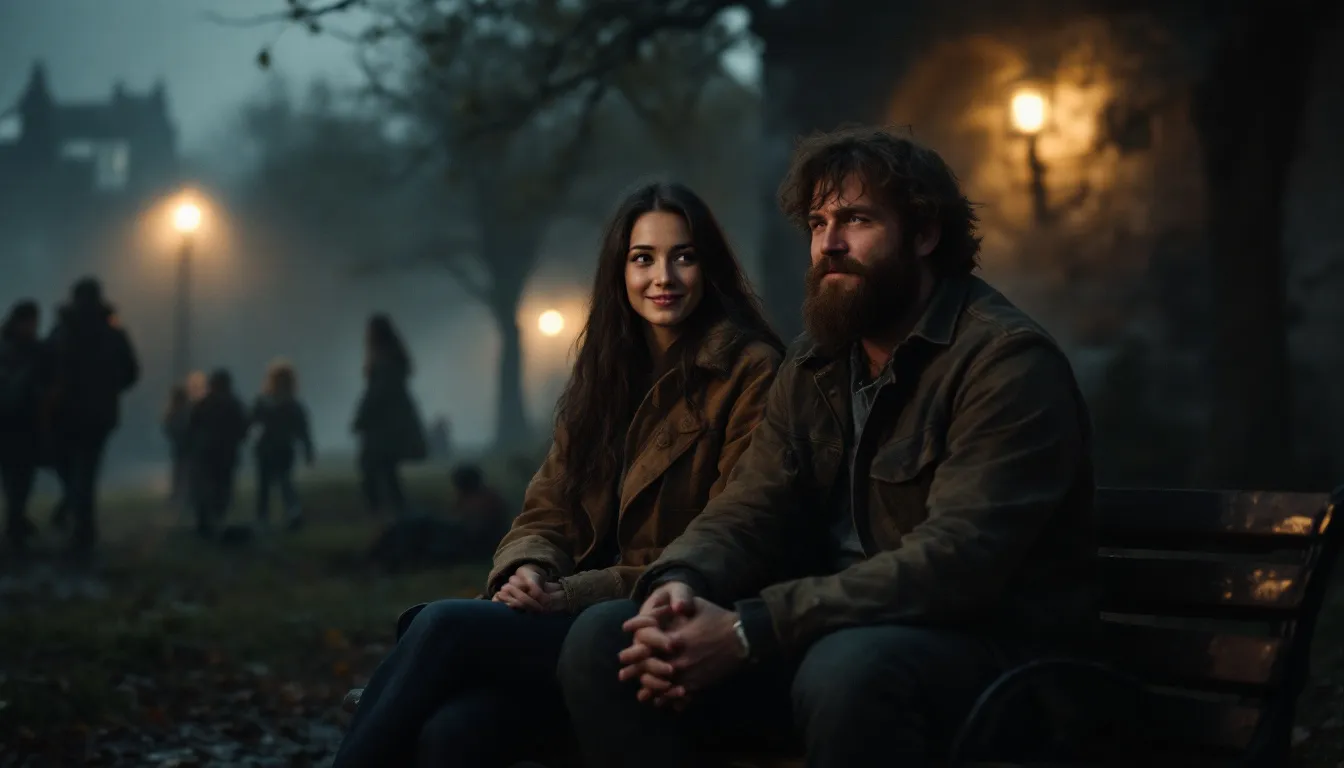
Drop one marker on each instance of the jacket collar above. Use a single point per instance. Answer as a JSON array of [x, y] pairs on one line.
[[937, 325]]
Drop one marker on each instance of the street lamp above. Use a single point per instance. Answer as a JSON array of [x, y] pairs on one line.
[[1030, 111], [186, 220], [551, 322]]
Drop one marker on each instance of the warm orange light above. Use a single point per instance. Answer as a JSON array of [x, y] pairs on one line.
[[1028, 107], [551, 323], [187, 218]]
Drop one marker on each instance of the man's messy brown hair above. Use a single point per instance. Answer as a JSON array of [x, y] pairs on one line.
[[900, 174]]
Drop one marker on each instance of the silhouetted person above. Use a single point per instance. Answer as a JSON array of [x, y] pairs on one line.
[[215, 431], [480, 512], [386, 421], [93, 363], [24, 377], [284, 424]]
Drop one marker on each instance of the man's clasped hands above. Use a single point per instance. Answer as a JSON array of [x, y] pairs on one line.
[[681, 643]]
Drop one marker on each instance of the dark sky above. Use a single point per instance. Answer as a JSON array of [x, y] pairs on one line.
[[209, 68]]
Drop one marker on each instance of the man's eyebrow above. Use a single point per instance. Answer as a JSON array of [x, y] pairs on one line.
[[866, 210]]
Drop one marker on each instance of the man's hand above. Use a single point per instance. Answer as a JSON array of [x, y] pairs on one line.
[[678, 652], [671, 598], [706, 647], [527, 590], [668, 606]]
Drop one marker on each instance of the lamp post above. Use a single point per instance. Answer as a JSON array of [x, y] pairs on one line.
[[1029, 111], [186, 220]]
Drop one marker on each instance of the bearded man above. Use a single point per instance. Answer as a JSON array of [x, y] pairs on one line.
[[914, 514]]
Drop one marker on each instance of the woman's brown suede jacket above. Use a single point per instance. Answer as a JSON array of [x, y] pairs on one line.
[[680, 459]]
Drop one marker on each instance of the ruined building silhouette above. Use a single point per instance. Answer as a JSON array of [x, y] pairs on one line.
[[71, 174]]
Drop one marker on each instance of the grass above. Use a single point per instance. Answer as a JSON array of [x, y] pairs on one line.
[[172, 629], [181, 644]]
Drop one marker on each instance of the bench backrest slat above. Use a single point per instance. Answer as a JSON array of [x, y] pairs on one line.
[[1197, 520], [1201, 588], [1194, 659]]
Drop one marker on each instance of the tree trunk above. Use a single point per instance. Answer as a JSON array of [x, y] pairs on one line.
[[1248, 112], [511, 425], [509, 248]]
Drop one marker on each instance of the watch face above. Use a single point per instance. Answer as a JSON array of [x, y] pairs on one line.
[[744, 646]]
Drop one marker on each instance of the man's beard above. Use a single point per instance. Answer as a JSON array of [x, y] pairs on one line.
[[837, 315]]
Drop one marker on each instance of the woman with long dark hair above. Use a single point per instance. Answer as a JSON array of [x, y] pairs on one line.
[[386, 420], [671, 375]]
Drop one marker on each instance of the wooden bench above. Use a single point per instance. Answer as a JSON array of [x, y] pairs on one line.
[[1209, 602]]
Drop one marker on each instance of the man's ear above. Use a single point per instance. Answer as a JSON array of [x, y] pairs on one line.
[[927, 240]]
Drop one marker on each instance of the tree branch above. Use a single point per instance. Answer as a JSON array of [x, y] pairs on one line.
[[299, 11], [606, 56], [446, 254]]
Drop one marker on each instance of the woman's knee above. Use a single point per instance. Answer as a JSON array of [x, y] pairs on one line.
[[444, 620]]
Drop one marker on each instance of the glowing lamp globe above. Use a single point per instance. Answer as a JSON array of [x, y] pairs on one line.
[[551, 323]]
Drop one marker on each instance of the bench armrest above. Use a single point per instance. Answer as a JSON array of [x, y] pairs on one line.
[[1052, 709]]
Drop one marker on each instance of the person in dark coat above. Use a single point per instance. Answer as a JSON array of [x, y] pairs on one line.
[[216, 430], [284, 424], [386, 420], [93, 364], [24, 378]]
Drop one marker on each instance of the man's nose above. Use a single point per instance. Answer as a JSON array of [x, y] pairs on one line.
[[833, 242]]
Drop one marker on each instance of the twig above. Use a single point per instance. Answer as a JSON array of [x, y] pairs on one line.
[[298, 12]]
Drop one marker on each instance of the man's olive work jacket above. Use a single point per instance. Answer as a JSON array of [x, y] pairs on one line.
[[972, 491]]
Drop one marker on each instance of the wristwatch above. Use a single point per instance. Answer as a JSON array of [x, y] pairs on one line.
[[742, 640]]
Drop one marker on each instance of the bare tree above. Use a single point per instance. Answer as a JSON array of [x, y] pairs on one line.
[[446, 77], [503, 187]]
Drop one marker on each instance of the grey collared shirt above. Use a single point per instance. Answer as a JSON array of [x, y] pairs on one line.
[[863, 393]]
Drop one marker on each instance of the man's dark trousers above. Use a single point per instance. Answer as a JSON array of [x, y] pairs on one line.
[[881, 695]]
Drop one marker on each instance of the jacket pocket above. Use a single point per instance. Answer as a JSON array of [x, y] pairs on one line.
[[898, 490]]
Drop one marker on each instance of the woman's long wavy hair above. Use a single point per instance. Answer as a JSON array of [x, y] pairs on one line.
[[614, 364]]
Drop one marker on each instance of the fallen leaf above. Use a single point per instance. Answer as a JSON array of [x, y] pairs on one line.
[[335, 639]]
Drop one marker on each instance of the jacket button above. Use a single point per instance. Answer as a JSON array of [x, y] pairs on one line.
[[687, 423], [663, 440]]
